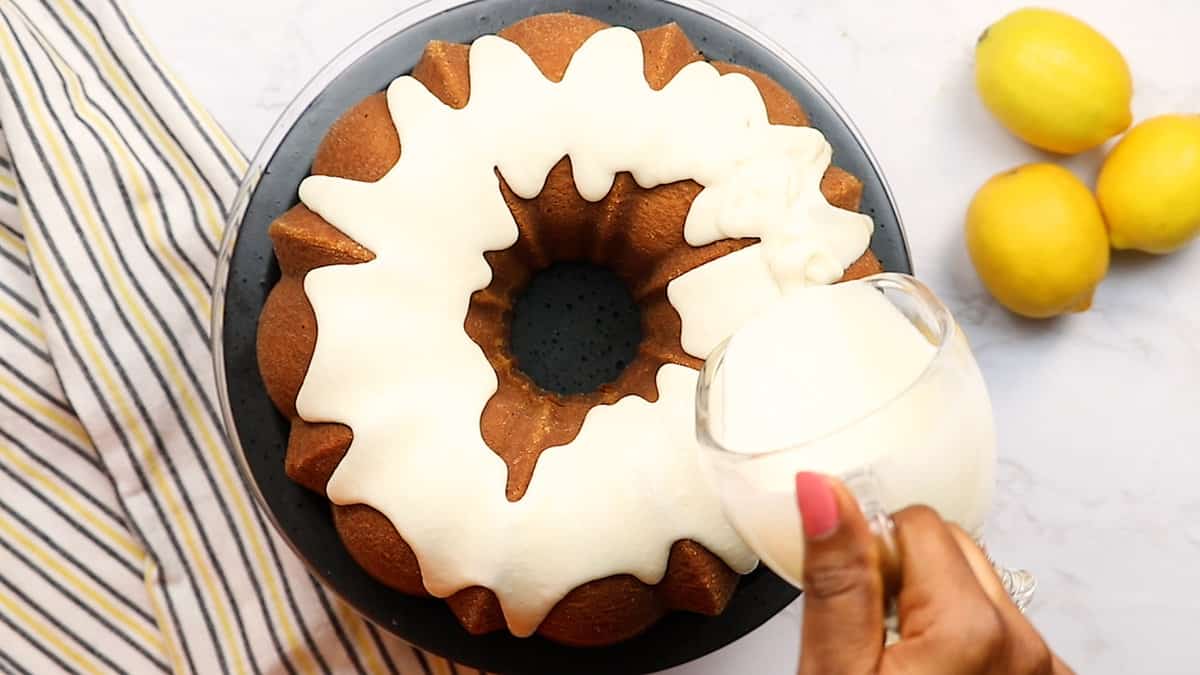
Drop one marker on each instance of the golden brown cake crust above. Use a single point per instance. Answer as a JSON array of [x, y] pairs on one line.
[[638, 233]]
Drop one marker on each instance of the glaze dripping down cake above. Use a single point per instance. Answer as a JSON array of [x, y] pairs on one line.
[[583, 518]]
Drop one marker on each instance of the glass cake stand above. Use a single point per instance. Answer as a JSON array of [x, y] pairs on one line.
[[247, 271]]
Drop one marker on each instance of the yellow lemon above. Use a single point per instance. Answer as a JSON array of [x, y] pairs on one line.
[[1053, 81], [1149, 186], [1037, 240]]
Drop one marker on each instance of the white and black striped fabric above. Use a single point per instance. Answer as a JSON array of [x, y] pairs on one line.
[[128, 540]]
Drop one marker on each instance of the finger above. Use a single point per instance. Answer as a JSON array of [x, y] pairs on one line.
[[843, 590], [981, 567], [948, 624], [935, 575], [1027, 650]]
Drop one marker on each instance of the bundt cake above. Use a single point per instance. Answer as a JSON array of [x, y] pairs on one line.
[[582, 517]]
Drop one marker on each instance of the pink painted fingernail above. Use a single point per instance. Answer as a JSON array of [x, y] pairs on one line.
[[818, 505]]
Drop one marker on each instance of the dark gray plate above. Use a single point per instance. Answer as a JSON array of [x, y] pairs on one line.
[[248, 271]]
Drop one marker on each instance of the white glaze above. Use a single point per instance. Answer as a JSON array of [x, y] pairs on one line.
[[393, 362]]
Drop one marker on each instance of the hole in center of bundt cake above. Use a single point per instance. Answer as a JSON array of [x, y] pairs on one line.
[[575, 327]]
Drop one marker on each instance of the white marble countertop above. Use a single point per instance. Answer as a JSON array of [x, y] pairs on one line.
[[1100, 445]]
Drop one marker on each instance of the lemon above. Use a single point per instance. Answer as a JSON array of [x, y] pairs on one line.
[[1149, 186], [1037, 240], [1053, 81]]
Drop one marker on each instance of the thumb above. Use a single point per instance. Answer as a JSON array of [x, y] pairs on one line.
[[843, 588]]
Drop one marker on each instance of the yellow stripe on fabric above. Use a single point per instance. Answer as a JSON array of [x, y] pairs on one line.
[[66, 424], [231, 153], [8, 183], [147, 452], [212, 216], [116, 393], [162, 616], [142, 193], [360, 637], [51, 635], [63, 571], [117, 537], [11, 241], [22, 318], [215, 449]]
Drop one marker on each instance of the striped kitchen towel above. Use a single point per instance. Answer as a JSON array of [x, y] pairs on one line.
[[128, 539]]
